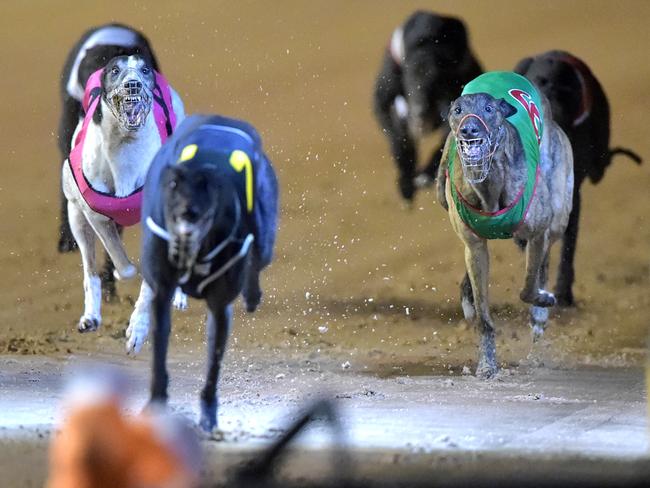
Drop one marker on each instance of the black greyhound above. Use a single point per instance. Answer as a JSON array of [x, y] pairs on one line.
[[426, 65], [581, 109], [209, 223], [93, 50]]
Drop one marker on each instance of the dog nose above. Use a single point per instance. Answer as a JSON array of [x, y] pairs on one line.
[[191, 214], [469, 130]]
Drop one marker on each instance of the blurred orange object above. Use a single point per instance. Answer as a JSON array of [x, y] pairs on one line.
[[99, 447]]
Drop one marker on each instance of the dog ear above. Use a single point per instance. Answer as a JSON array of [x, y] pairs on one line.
[[505, 108], [523, 66]]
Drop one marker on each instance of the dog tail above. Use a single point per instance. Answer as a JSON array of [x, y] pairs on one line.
[[625, 152]]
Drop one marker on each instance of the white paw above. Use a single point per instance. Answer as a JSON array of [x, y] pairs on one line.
[[538, 332], [180, 300], [401, 107], [89, 323], [539, 314], [423, 181], [137, 332], [126, 273]]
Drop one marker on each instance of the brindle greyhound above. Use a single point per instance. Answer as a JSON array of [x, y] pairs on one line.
[[516, 181]]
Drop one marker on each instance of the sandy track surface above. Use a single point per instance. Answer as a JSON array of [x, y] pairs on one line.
[[358, 277]]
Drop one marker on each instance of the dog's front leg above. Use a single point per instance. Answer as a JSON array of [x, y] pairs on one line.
[[218, 328], [85, 237], [533, 293], [539, 315], [161, 304], [138, 329], [477, 261], [110, 237]]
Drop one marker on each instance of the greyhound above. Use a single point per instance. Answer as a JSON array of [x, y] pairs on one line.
[[209, 225], [581, 109], [426, 64], [102, 178], [93, 51], [515, 181]]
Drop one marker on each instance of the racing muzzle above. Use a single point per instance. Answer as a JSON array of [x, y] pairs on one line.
[[476, 154], [130, 100], [184, 244]]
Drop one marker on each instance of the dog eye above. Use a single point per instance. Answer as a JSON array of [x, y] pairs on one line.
[[458, 110], [115, 70], [488, 108], [145, 70]]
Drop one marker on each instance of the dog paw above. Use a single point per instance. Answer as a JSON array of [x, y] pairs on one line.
[[180, 300], [486, 370], [136, 334], [423, 180], [66, 243], [406, 187], [542, 298], [88, 324], [538, 331], [208, 420], [156, 406], [126, 273], [252, 300]]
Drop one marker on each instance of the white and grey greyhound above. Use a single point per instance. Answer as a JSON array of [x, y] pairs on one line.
[[129, 111]]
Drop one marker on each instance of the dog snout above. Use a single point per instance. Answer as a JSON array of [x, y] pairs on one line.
[[470, 130], [133, 87], [191, 214], [185, 228]]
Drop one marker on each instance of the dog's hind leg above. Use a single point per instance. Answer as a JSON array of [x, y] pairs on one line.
[[161, 307], [252, 291], [536, 252], [477, 261], [566, 271], [218, 328], [67, 242], [85, 237], [467, 299], [67, 125], [109, 291]]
